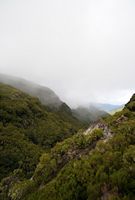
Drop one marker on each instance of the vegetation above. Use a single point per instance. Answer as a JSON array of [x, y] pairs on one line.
[[62, 153], [27, 129], [107, 172], [88, 166]]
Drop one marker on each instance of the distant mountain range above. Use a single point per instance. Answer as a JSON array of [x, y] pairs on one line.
[[108, 107], [89, 114]]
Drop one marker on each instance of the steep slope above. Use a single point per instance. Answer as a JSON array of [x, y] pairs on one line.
[[48, 98], [45, 95], [96, 164], [131, 104], [27, 128]]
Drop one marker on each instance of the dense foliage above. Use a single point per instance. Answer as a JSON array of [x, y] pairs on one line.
[[107, 172], [27, 128], [90, 166]]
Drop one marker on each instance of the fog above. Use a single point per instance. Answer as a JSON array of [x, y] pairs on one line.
[[82, 49]]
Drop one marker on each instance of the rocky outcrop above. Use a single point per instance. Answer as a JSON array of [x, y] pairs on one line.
[[107, 133]]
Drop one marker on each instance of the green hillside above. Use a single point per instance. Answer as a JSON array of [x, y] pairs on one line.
[[95, 164], [105, 172], [44, 94], [27, 128]]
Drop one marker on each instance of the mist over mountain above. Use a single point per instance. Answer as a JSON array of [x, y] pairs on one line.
[[45, 94], [67, 100], [49, 98], [28, 127], [89, 114], [107, 107], [51, 155]]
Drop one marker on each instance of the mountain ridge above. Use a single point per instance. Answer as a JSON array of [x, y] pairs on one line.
[[89, 114], [45, 94], [50, 99], [91, 164], [38, 127]]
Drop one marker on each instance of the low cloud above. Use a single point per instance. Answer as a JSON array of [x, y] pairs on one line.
[[83, 50]]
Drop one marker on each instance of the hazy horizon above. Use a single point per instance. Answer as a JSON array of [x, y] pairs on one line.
[[83, 50], [9, 79]]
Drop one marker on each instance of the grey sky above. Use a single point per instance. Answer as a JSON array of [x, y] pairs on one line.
[[83, 49]]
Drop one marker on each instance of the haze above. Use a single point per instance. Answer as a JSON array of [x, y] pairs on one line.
[[82, 49]]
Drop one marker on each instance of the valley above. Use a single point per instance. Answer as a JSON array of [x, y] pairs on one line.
[[47, 153]]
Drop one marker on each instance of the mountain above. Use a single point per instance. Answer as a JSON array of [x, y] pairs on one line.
[[45, 155], [98, 163], [112, 112], [51, 100], [45, 94], [131, 104], [28, 128], [108, 107], [89, 114]]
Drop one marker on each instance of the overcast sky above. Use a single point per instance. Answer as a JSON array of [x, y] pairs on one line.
[[83, 49]]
